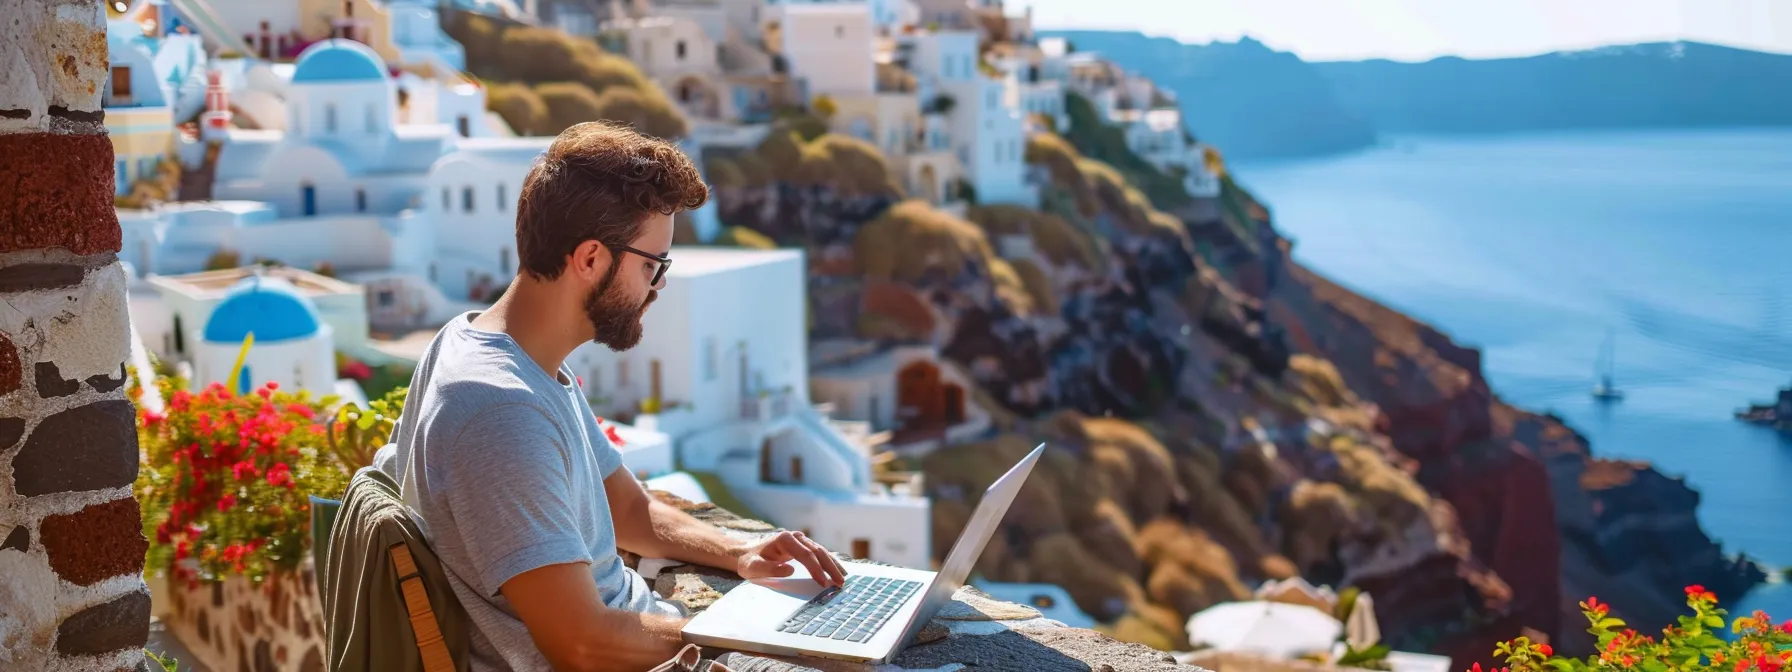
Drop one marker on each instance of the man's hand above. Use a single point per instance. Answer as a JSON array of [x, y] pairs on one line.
[[771, 558]]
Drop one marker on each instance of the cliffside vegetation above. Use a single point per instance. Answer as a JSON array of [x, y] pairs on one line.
[[1107, 144], [542, 80]]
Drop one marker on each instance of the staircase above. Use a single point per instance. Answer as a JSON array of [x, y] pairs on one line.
[[821, 432], [203, 17]]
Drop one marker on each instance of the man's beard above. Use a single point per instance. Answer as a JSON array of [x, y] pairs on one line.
[[615, 322]]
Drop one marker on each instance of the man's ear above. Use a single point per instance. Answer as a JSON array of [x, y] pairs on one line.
[[589, 260]]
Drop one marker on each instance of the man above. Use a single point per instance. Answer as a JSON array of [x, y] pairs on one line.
[[501, 458]]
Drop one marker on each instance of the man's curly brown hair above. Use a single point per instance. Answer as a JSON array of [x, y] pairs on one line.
[[599, 181]]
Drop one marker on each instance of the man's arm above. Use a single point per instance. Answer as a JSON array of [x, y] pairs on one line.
[[575, 631], [654, 529]]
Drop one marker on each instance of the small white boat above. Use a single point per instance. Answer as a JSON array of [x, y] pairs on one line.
[[1605, 391]]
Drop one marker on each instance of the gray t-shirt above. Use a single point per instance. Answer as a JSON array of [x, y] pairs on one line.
[[503, 467]]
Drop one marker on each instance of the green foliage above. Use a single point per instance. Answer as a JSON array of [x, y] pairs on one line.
[[225, 478], [1372, 658], [807, 126], [223, 259], [520, 106], [852, 167], [568, 103], [359, 432], [1107, 144], [574, 79], [824, 106], [740, 236], [1693, 643], [159, 662]]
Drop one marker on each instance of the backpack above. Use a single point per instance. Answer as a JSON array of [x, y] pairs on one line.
[[388, 606]]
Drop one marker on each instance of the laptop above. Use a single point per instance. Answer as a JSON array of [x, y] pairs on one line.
[[870, 619]]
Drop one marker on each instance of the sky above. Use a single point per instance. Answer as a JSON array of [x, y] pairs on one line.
[[1411, 30]]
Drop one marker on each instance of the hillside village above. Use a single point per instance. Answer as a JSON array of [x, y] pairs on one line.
[[934, 239]]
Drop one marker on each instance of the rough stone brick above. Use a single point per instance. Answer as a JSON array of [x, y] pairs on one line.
[[84, 330], [51, 384], [96, 543], [29, 277], [59, 193], [120, 624], [18, 540], [10, 431], [89, 447], [104, 383], [12, 373]]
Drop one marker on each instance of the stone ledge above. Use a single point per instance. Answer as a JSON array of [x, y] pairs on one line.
[[974, 632], [279, 625]]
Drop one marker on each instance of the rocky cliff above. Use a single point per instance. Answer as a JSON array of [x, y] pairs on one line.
[[1218, 414]]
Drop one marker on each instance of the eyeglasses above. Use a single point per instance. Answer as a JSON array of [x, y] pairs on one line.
[[664, 259]]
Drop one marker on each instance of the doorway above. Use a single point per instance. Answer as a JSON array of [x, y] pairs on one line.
[[861, 549], [308, 195]]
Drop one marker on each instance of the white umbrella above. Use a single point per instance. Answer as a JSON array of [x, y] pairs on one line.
[[1273, 629]]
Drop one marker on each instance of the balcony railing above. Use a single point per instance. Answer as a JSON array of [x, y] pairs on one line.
[[764, 407]]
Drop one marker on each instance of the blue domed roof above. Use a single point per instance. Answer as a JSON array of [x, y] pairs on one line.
[[338, 60], [269, 307]]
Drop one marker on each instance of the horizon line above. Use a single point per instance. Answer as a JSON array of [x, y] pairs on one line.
[[1515, 55]]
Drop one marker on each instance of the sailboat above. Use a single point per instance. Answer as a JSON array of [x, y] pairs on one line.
[[1605, 391]]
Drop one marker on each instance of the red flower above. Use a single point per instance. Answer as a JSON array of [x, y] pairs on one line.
[[610, 433], [227, 501], [1545, 650], [243, 471], [1477, 668], [1596, 607], [280, 475]]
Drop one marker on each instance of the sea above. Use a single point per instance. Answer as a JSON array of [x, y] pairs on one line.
[[1675, 247]]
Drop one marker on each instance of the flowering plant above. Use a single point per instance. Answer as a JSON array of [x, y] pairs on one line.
[[1692, 644], [225, 478]]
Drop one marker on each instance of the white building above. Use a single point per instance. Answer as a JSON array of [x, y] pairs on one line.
[[295, 317], [471, 199], [987, 131], [907, 390], [829, 45], [723, 371], [155, 79], [385, 202]]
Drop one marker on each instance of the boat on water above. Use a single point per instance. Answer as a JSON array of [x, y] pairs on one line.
[[1605, 391]]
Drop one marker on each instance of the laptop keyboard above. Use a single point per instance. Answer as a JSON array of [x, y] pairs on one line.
[[853, 612]]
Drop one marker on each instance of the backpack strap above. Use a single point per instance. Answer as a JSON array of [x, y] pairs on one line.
[[423, 618]]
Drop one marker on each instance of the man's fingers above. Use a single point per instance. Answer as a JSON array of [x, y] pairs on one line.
[[827, 560], [801, 552], [830, 565]]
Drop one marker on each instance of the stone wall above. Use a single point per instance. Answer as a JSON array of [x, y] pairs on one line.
[[71, 540], [235, 624]]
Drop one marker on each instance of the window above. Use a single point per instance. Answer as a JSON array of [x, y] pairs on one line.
[[504, 261], [1043, 601], [383, 298], [360, 200], [330, 118], [466, 199], [861, 549], [447, 200], [121, 83], [711, 354], [502, 201], [680, 49], [622, 373]]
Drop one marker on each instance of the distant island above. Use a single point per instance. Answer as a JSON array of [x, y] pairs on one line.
[[1262, 103], [1777, 415]]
